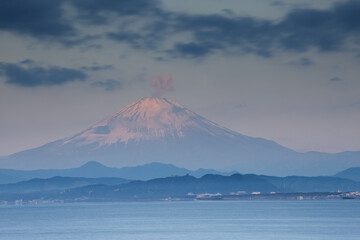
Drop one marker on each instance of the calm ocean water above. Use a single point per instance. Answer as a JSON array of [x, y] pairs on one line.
[[184, 220]]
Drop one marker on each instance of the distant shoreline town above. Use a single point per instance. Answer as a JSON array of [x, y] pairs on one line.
[[164, 182], [206, 197]]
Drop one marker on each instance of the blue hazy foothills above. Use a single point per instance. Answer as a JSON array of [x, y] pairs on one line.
[[325, 220], [179, 120]]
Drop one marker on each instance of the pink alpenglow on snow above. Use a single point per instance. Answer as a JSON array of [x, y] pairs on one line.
[[160, 130], [161, 85], [145, 119]]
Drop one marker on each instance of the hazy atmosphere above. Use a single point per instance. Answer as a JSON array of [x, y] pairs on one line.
[[287, 71], [179, 119]]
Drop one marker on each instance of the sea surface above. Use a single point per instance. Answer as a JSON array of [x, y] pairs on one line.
[[336, 219]]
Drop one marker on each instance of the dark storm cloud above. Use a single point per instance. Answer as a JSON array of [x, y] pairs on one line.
[[335, 79], [34, 76], [325, 30], [108, 85], [97, 68], [136, 40], [45, 20], [151, 34], [299, 30], [27, 62], [96, 11], [304, 62], [38, 18], [191, 50], [213, 32], [147, 15], [145, 25]]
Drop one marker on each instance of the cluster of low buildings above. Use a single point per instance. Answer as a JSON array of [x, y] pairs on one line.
[[242, 195], [239, 195], [20, 202], [351, 195]]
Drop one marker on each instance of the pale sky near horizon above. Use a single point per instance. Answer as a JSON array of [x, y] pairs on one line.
[[281, 70]]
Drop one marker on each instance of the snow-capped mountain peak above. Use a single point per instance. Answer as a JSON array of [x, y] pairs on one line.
[[146, 119], [160, 130]]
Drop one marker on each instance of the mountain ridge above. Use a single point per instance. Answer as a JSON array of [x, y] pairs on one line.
[[160, 130], [56, 183], [98, 170], [182, 187], [350, 173]]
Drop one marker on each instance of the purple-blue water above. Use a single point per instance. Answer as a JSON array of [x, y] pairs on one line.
[[337, 219]]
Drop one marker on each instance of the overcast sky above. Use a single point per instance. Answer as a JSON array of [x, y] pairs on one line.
[[288, 71]]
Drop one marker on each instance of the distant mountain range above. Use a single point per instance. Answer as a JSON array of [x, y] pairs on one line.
[[235, 184], [97, 170], [119, 189], [185, 187], [56, 184], [351, 173], [160, 130]]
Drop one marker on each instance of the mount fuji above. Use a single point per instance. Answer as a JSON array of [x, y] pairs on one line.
[[160, 130]]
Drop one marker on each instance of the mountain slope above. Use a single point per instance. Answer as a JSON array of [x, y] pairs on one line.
[[56, 184], [159, 130], [185, 187], [97, 170], [350, 173], [178, 186]]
